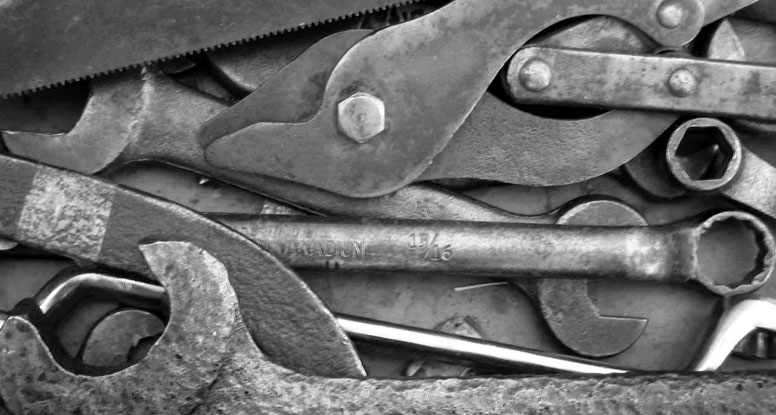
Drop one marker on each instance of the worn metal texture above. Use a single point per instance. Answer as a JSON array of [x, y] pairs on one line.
[[494, 135], [144, 115], [246, 66], [440, 344], [745, 40], [763, 11], [109, 343], [565, 303], [430, 367], [292, 94], [164, 128], [66, 37], [88, 219], [412, 202], [399, 65], [758, 346], [740, 175], [178, 369], [505, 315], [665, 254], [744, 318], [468, 349], [656, 83], [237, 377]]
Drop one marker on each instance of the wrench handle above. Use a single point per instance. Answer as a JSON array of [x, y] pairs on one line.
[[664, 253]]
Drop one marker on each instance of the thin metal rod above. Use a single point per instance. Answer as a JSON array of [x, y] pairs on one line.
[[475, 350]]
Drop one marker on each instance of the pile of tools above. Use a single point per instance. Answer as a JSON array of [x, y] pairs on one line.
[[383, 206]]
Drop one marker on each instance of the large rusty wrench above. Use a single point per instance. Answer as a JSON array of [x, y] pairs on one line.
[[90, 220], [205, 362]]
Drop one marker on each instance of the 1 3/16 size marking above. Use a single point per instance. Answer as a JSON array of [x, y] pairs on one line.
[[424, 241]]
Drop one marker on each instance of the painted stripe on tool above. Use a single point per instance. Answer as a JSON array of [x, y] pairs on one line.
[[58, 203]]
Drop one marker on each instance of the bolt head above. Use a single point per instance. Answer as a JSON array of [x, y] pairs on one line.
[[535, 75], [671, 14], [682, 83], [361, 116]]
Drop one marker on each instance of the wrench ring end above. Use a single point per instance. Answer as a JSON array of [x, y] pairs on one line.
[[765, 259]]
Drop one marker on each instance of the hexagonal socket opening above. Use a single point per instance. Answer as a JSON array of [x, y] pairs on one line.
[[704, 153]]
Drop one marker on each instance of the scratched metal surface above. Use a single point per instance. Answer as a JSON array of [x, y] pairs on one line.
[[501, 312]]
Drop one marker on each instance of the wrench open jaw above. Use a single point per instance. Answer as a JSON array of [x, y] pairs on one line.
[[93, 221], [204, 361]]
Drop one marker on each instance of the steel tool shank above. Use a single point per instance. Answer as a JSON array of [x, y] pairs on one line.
[[661, 253]]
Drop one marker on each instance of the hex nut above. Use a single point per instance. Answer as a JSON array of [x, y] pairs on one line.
[[361, 116], [728, 143]]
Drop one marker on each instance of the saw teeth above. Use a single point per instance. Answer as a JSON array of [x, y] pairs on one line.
[[209, 48]]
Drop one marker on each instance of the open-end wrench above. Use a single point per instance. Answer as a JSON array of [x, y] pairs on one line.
[[668, 253], [146, 116], [63, 293], [565, 303], [223, 371], [90, 220]]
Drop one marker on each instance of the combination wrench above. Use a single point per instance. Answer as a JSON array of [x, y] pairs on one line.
[[667, 253]]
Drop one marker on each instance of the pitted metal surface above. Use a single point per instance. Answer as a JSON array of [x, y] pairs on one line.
[[237, 377], [134, 218], [153, 308]]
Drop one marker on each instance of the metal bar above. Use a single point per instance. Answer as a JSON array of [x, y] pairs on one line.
[[663, 253], [540, 75], [472, 349]]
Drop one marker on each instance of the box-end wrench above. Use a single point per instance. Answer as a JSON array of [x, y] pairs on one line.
[[668, 253], [146, 116], [224, 371]]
